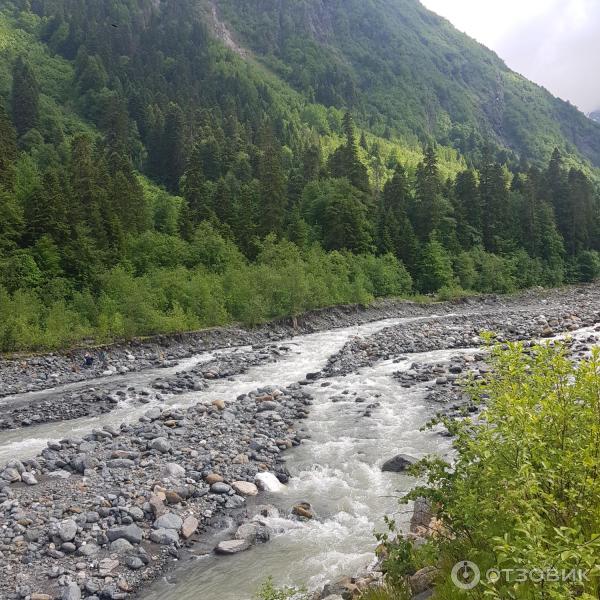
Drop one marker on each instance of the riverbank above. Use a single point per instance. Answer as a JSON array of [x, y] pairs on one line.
[[122, 477]]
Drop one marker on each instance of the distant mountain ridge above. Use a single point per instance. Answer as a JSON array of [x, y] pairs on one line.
[[407, 71]]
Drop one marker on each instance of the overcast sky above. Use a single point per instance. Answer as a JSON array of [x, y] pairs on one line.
[[555, 43]]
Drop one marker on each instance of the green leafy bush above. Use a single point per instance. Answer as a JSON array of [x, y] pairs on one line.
[[524, 489]]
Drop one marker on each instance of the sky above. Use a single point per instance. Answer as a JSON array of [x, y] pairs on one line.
[[555, 43]]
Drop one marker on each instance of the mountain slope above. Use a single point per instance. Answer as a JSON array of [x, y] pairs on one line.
[[173, 164], [407, 71]]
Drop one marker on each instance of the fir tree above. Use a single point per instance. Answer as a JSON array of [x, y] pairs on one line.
[[25, 97]]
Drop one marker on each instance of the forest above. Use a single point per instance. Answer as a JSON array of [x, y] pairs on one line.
[[152, 181]]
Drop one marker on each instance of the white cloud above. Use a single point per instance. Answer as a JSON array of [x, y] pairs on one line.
[[553, 42]]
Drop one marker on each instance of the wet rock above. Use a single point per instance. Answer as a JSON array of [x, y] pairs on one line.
[[220, 488], [268, 482], [232, 546], [253, 533], [398, 464], [303, 510]]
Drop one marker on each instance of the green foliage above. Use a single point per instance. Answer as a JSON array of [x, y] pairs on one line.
[[523, 490], [268, 591]]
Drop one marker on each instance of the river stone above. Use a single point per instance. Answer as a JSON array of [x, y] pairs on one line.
[[121, 546], [164, 537], [168, 521], [189, 527], [134, 562], [11, 475], [131, 533], [398, 464], [232, 546], [268, 482], [107, 565], [88, 550], [60, 474], [28, 478], [137, 514], [303, 510], [213, 478], [173, 470], [245, 488], [71, 592], [67, 530], [120, 463], [220, 488], [161, 444], [253, 533]]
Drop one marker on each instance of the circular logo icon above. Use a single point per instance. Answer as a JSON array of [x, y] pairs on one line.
[[466, 575]]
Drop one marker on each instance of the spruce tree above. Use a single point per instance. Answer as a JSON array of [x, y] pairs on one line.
[[25, 97], [273, 185]]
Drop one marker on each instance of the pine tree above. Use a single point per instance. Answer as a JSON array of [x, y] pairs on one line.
[[273, 185], [345, 161], [428, 208], [467, 208], [25, 97], [173, 148], [494, 202]]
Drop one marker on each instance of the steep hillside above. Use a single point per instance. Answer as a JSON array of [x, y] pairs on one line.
[[175, 164], [407, 71]]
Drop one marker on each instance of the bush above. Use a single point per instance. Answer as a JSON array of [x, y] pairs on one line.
[[523, 491]]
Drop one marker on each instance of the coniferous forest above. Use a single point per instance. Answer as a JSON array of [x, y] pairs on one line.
[[154, 180]]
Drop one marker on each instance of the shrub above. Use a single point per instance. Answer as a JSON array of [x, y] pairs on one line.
[[524, 491]]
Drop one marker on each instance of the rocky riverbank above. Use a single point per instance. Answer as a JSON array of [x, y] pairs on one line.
[[95, 517], [63, 405]]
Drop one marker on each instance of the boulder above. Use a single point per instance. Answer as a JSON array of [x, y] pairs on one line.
[[303, 510], [164, 537], [232, 547], [131, 533], [168, 521], [398, 464], [245, 488], [268, 482], [189, 527], [253, 532]]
